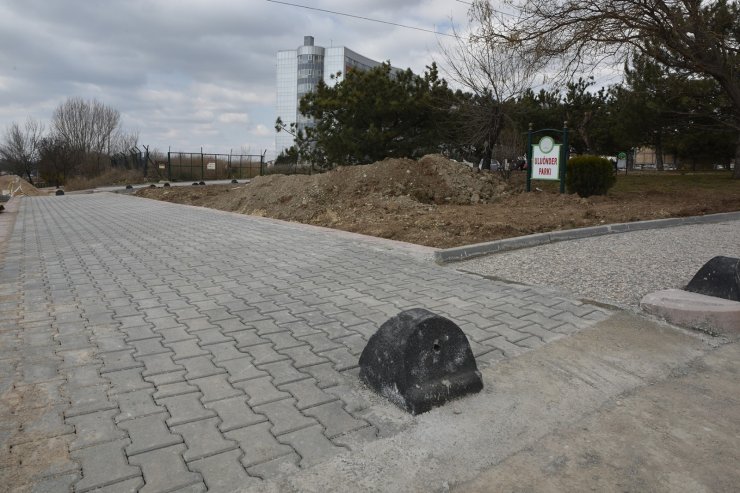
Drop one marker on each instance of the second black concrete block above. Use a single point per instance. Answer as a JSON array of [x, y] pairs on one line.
[[419, 360]]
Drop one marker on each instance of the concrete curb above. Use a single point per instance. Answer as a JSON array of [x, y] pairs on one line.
[[469, 251]]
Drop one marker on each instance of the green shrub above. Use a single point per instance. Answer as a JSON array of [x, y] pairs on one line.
[[589, 175]]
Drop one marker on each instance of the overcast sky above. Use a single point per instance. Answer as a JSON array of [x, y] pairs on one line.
[[191, 73]]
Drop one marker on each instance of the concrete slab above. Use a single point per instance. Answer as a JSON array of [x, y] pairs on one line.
[[695, 311]]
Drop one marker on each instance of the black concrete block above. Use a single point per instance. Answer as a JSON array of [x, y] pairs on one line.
[[720, 277], [59, 192], [166, 184], [419, 360], [129, 187]]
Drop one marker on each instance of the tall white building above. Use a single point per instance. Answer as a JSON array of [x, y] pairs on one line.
[[299, 72]]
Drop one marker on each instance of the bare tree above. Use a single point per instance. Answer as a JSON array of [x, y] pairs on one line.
[[494, 69], [86, 126], [122, 141], [699, 37], [20, 147]]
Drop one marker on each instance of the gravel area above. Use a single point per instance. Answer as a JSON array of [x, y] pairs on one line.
[[618, 269]]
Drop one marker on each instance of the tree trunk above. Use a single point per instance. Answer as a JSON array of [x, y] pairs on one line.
[[736, 173], [658, 152]]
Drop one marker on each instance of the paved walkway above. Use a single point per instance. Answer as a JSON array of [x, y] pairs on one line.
[[146, 344]]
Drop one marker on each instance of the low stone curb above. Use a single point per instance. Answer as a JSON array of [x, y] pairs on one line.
[[469, 251]]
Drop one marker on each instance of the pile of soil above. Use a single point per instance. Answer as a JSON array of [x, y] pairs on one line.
[[18, 186], [433, 201]]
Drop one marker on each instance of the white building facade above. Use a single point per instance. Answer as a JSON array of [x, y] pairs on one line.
[[299, 72]]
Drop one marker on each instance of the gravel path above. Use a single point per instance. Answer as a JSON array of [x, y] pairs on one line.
[[619, 268]]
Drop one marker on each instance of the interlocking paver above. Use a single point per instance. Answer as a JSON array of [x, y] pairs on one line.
[[335, 419], [127, 381], [94, 428], [325, 374], [261, 391], [224, 473], [85, 400], [185, 408], [307, 393], [263, 353], [203, 439], [186, 349], [165, 470], [284, 416], [200, 367], [311, 445], [234, 413], [215, 387], [149, 433], [258, 444], [137, 404], [103, 465], [125, 327]]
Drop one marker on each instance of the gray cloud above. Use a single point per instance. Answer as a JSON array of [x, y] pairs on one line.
[[188, 73]]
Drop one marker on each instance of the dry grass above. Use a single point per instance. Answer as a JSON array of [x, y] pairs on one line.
[[110, 177]]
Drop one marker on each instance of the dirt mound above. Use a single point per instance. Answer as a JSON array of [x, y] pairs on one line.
[[17, 186], [443, 203]]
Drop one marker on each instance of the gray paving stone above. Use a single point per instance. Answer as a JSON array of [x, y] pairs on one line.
[[357, 438], [85, 400], [303, 356], [203, 439], [215, 387], [186, 349], [118, 360], [137, 404], [234, 413], [258, 444], [241, 369], [148, 347], [127, 381], [162, 380], [283, 372], [307, 393], [263, 354], [351, 398], [165, 470], [342, 358], [224, 473], [510, 350], [111, 343], [200, 367], [247, 337], [541, 332], [84, 376], [276, 468], [104, 465], [185, 408], [335, 419], [94, 428], [325, 375], [311, 445], [159, 363], [223, 351], [261, 391], [283, 340], [284, 416], [320, 342], [59, 483], [139, 332]]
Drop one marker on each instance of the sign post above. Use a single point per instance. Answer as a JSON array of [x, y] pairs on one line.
[[547, 160]]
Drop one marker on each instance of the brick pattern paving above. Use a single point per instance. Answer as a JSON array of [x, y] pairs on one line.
[[164, 347]]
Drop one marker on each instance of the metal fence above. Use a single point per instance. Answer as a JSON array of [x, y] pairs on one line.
[[196, 166]]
